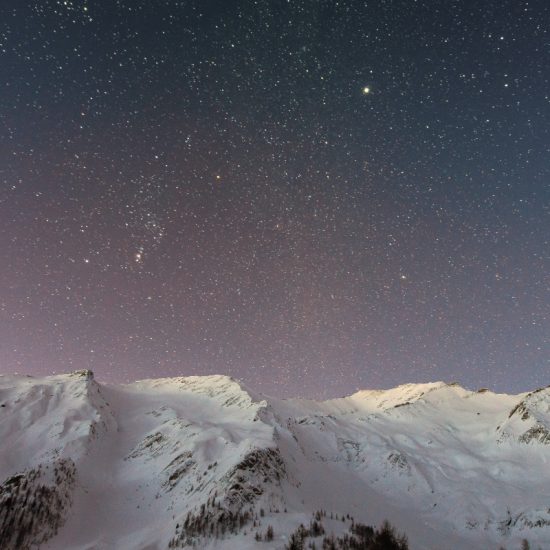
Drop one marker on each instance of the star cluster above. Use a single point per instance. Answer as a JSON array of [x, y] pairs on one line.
[[311, 196]]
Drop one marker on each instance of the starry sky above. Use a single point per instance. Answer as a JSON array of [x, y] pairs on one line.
[[310, 196]]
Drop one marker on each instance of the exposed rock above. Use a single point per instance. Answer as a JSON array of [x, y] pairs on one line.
[[537, 433], [150, 447], [231, 506], [179, 468], [398, 462], [247, 480]]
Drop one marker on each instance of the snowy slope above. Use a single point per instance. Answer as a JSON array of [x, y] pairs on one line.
[[162, 463]]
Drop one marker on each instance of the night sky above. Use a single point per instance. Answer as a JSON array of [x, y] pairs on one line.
[[310, 196]]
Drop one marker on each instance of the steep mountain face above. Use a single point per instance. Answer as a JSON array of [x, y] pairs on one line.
[[529, 420], [202, 460]]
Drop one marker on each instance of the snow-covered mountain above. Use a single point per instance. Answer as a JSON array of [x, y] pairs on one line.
[[203, 460]]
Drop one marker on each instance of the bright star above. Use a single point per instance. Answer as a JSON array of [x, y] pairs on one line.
[[366, 90]]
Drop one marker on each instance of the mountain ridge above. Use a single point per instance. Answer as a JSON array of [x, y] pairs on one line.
[[195, 459]]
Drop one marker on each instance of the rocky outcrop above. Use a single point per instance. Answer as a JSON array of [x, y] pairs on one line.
[[232, 505]]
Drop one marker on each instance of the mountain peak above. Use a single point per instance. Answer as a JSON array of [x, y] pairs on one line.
[[400, 395], [83, 373], [223, 388]]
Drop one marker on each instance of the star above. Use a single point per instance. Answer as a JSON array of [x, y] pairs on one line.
[[366, 90], [138, 255]]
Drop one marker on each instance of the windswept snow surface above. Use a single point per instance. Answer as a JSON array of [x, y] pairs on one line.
[[129, 464]]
